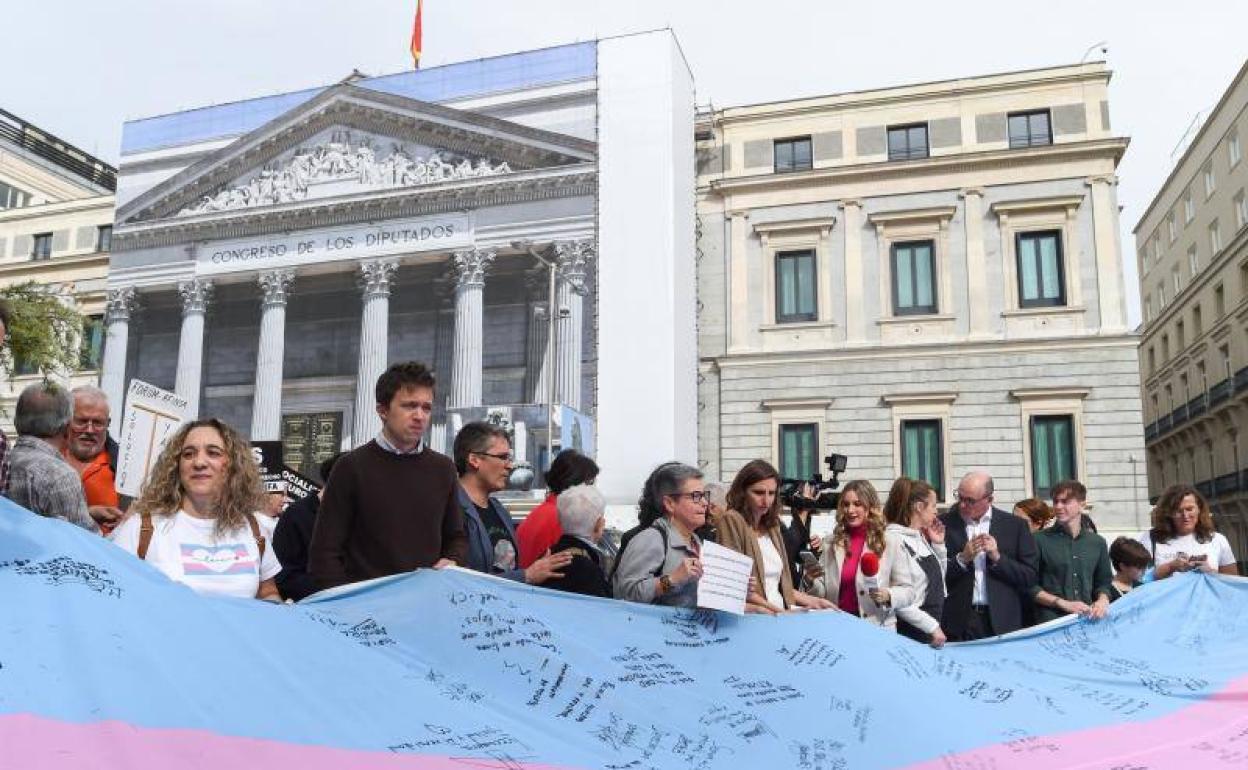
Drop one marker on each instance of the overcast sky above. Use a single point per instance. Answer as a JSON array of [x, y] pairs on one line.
[[79, 68]]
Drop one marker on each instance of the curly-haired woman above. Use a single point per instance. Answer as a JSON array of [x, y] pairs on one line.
[[1183, 537], [195, 520], [860, 529]]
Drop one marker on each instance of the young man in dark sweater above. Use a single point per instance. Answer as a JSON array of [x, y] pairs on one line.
[[390, 505]]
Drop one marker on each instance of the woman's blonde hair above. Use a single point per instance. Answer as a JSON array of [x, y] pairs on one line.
[[243, 493], [875, 516]]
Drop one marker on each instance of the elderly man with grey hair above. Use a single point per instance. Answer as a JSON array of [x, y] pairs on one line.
[[93, 454], [581, 516], [39, 478]]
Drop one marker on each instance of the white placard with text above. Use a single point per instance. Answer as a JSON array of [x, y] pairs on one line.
[[151, 416], [725, 579]]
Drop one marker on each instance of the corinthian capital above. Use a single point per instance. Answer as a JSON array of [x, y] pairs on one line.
[[470, 266], [119, 305], [572, 259], [376, 277], [195, 293], [276, 285]]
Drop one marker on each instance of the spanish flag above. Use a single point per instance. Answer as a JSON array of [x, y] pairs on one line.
[[416, 36]]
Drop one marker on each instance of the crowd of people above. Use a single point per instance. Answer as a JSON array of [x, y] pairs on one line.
[[393, 505]]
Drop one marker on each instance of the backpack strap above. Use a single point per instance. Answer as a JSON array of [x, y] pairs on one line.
[[663, 534], [255, 533], [145, 534]]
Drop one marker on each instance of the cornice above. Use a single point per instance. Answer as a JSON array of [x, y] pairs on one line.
[[908, 94], [935, 166], [911, 215], [1035, 394], [48, 267], [1030, 205], [781, 404], [371, 206], [396, 117], [903, 399], [789, 226]]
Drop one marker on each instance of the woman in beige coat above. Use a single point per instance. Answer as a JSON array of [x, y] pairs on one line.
[[859, 530], [751, 526]]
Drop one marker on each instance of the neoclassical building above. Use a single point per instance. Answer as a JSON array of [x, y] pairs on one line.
[[1192, 247], [926, 278], [56, 217], [272, 256]]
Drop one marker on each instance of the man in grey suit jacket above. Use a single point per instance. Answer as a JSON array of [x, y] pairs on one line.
[[992, 564]]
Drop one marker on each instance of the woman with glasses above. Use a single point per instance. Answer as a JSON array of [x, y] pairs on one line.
[[196, 517], [859, 530], [661, 564], [751, 526], [1183, 538]]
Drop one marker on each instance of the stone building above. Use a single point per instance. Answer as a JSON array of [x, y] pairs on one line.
[[926, 278], [1192, 247], [56, 216], [274, 255]]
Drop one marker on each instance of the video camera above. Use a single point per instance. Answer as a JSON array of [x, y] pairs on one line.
[[823, 495]]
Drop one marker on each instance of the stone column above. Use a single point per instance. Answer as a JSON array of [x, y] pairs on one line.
[[442, 363], [375, 279], [1109, 281], [196, 293], [120, 304], [470, 267], [537, 358], [572, 259], [266, 408]]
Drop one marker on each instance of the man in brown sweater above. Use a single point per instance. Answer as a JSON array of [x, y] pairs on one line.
[[390, 505]]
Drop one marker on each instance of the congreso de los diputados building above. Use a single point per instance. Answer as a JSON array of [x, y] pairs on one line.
[[272, 256]]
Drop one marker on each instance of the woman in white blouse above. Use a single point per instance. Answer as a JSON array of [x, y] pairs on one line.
[[1183, 538], [916, 544], [751, 526]]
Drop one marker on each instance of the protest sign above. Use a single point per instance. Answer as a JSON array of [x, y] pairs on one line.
[[151, 416], [725, 579]]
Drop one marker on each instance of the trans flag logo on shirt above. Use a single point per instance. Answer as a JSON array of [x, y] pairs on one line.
[[209, 560]]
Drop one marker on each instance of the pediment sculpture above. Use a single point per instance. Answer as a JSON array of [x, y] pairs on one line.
[[344, 165]]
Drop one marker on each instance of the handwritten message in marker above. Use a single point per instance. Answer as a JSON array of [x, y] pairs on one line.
[[725, 579], [152, 415]]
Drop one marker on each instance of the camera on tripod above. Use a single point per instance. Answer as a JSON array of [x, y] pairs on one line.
[[822, 495]]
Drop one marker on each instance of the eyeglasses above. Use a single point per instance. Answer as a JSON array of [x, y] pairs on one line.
[[80, 424], [964, 500], [505, 457], [697, 497]]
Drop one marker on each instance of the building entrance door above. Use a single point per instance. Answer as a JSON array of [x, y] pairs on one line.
[[308, 439]]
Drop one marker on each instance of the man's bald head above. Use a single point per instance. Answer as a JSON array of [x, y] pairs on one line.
[[976, 484]]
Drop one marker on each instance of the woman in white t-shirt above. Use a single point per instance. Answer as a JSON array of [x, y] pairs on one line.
[[1182, 538], [195, 520]]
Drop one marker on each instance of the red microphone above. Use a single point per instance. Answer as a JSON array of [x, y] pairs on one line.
[[870, 566]]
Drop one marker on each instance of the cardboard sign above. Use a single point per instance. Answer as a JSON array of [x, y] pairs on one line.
[[151, 416]]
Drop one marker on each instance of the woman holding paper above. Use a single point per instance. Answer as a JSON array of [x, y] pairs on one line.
[[195, 519], [860, 530], [661, 563], [751, 526]]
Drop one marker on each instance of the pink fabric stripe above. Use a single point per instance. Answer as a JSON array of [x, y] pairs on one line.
[[48, 744], [1211, 733]]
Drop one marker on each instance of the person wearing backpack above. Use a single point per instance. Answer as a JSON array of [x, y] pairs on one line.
[[660, 560], [196, 519]]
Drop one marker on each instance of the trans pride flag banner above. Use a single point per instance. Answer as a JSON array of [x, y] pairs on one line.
[[106, 664]]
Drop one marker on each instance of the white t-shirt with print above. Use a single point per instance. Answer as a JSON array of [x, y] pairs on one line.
[[188, 550], [1217, 550]]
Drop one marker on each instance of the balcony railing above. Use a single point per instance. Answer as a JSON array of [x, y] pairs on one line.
[[1178, 416], [1241, 380], [1226, 484], [1221, 391], [18, 132], [1150, 431], [1165, 424], [1205, 488], [1198, 406]]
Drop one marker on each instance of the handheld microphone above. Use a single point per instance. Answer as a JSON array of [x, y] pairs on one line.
[[870, 566]]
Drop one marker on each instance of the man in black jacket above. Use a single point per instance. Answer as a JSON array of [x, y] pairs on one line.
[[293, 535], [992, 564]]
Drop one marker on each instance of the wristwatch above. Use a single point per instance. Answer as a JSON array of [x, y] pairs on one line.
[[665, 583]]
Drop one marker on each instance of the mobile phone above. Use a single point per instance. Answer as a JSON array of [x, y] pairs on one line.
[[1198, 558], [808, 558]]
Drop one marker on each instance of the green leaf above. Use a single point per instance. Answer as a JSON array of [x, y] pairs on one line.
[[44, 331]]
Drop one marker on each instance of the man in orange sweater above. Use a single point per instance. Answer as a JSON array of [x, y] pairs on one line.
[[94, 455]]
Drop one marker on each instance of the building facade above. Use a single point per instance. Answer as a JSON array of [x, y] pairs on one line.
[[924, 278], [56, 216], [273, 256], [1192, 251]]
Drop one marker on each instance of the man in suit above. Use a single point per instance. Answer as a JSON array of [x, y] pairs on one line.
[[992, 564]]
